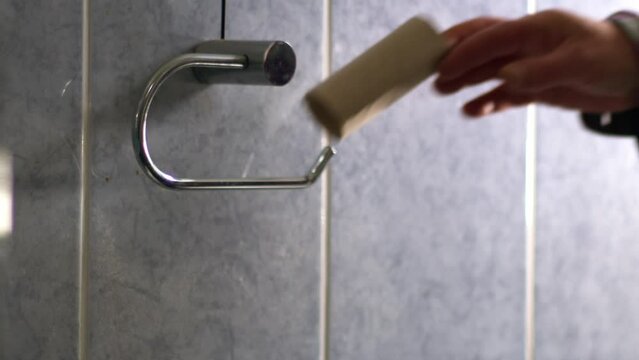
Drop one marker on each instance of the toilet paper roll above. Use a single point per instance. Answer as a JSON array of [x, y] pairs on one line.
[[374, 80]]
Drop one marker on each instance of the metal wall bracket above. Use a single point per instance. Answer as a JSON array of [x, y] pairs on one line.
[[228, 62]]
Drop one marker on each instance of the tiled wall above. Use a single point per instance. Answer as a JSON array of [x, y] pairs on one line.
[[427, 209], [587, 243], [427, 214], [40, 77], [202, 275]]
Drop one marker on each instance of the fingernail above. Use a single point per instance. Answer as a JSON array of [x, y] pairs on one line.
[[487, 108]]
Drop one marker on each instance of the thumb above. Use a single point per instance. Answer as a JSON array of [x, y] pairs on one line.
[[541, 72]]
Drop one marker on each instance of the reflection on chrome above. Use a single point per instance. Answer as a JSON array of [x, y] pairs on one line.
[[6, 206]]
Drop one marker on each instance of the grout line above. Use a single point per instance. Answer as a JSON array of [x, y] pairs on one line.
[[83, 231], [325, 233], [325, 263], [530, 205], [530, 221], [223, 20], [531, 7]]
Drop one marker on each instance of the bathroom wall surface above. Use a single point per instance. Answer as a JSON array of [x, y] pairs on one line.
[[40, 77], [212, 274], [587, 249], [427, 213], [426, 216]]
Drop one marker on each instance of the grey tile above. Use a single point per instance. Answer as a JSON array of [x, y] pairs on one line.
[[40, 128], [194, 275], [587, 250], [428, 236]]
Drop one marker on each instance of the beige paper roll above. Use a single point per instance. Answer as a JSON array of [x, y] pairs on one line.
[[374, 80]]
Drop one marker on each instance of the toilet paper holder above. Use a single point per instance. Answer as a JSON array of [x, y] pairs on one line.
[[224, 62]]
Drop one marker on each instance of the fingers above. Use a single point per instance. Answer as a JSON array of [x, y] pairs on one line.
[[504, 97], [476, 76], [463, 30], [528, 74], [551, 57], [576, 99], [498, 99], [495, 42], [557, 68]]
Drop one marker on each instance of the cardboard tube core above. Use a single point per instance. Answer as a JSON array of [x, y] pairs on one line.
[[377, 78]]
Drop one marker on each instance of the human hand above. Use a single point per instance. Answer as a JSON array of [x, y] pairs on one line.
[[552, 57]]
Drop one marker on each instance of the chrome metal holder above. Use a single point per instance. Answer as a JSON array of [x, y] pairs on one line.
[[222, 61]]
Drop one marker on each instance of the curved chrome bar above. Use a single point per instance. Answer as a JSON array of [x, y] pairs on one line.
[[140, 143]]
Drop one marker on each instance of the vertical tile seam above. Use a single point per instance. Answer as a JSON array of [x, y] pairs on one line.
[[530, 196], [83, 233], [530, 220], [326, 193]]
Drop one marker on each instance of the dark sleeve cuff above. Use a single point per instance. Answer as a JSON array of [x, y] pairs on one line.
[[628, 23], [624, 123]]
